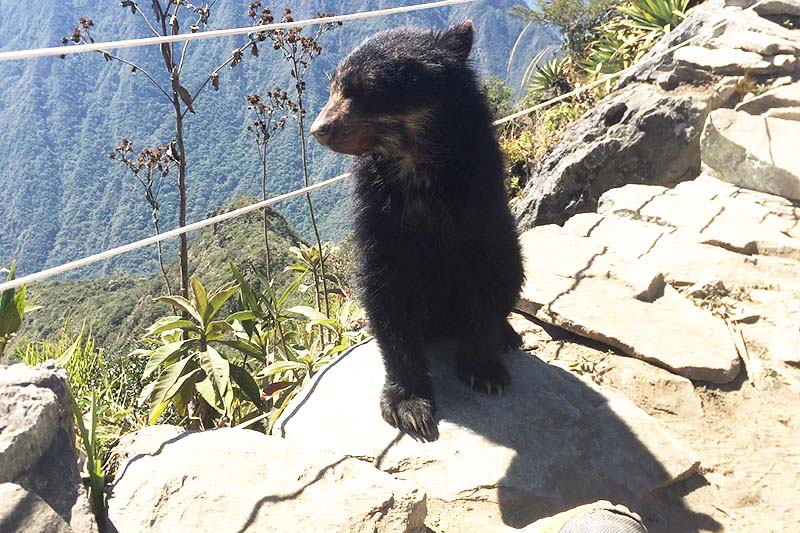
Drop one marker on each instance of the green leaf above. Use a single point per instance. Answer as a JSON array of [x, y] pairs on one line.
[[220, 296], [210, 394], [168, 323], [200, 298], [307, 312], [282, 366], [163, 353], [159, 397], [69, 353], [216, 368], [241, 316], [245, 381], [182, 303], [246, 348]]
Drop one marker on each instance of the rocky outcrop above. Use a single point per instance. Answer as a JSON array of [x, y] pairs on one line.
[[551, 442], [37, 452], [579, 284], [648, 131], [640, 135], [755, 152], [241, 480], [612, 276]]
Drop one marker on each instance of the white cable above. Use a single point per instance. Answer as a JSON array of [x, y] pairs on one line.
[[44, 274], [130, 43], [72, 265]]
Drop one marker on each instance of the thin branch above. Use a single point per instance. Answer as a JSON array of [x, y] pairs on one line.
[[216, 72], [140, 69], [183, 57], [146, 20]]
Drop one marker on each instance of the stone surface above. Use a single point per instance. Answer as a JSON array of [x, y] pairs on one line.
[[580, 293], [779, 97], [655, 390], [726, 61], [241, 480], [22, 511], [770, 7], [552, 442], [734, 225], [37, 440], [758, 42], [753, 152], [639, 135]]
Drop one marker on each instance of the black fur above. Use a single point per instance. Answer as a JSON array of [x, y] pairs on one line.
[[438, 249]]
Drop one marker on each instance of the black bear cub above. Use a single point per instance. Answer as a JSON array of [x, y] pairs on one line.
[[439, 254]]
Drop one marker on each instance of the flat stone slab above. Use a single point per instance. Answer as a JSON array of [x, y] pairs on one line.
[[552, 442], [240, 480], [670, 331], [725, 60], [742, 227], [754, 152]]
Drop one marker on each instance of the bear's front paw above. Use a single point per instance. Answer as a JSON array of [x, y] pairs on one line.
[[486, 376], [406, 411]]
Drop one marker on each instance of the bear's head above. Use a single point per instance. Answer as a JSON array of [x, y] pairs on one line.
[[384, 95]]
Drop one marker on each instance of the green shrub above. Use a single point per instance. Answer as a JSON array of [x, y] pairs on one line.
[[13, 304], [626, 37]]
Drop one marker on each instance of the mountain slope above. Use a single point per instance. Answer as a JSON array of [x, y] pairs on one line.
[[65, 198]]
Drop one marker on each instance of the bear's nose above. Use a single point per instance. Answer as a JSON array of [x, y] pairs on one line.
[[320, 130]]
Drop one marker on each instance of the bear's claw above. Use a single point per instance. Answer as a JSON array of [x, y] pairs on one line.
[[409, 412]]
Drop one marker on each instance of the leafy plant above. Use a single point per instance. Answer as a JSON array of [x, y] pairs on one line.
[[13, 304], [551, 79], [627, 36], [186, 362]]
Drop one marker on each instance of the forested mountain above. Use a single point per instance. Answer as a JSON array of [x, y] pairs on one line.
[[64, 198]]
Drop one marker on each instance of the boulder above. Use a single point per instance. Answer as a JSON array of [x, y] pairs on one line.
[[240, 480], [23, 511], [551, 442], [37, 444], [570, 284], [758, 153], [785, 96], [638, 135]]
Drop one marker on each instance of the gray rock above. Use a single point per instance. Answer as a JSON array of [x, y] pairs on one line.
[[758, 153], [639, 135], [726, 61], [37, 440], [573, 293], [758, 42], [22, 511], [240, 480], [779, 97], [553, 441], [769, 7]]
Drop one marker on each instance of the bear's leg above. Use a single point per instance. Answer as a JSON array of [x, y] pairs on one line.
[[397, 314], [479, 365], [511, 339], [407, 396]]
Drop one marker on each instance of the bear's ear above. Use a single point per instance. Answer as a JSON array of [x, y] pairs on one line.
[[458, 40]]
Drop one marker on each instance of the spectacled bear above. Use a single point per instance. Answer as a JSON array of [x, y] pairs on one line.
[[437, 244]]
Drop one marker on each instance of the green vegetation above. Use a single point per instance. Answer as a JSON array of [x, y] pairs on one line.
[[600, 37], [13, 304]]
